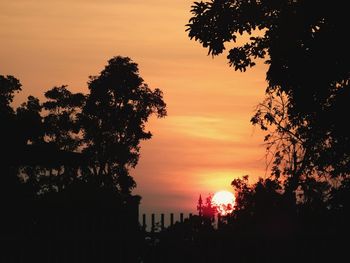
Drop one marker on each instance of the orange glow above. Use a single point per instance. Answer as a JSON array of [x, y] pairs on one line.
[[224, 202], [205, 142]]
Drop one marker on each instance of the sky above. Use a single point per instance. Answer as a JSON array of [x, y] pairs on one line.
[[206, 140]]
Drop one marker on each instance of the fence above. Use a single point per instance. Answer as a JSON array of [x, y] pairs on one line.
[[161, 224]]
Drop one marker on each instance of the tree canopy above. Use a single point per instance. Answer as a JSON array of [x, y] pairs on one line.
[[308, 75], [75, 138], [65, 166], [114, 118]]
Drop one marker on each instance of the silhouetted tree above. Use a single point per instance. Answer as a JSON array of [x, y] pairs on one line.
[[243, 193], [308, 77], [69, 158], [63, 133], [32, 132], [11, 136], [114, 117], [206, 211], [62, 125], [209, 211], [107, 126], [9, 85], [200, 206], [30, 121], [287, 151], [259, 198]]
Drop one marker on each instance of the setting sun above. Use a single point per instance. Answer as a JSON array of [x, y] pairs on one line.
[[224, 202]]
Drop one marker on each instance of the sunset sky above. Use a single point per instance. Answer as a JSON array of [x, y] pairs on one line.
[[205, 141]]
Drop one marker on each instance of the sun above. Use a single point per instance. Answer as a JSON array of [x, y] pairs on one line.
[[224, 202]]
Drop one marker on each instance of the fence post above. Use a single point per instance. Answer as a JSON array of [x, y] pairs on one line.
[[162, 221], [144, 222], [171, 219], [153, 220], [181, 217]]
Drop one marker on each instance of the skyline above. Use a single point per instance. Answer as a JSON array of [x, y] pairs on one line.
[[205, 141]]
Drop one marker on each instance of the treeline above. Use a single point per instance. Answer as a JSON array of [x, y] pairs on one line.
[[98, 132], [65, 166], [265, 226], [300, 212]]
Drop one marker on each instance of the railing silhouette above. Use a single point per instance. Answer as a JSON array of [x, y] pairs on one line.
[[160, 225], [154, 224]]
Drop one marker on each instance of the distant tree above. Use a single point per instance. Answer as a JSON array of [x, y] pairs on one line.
[[52, 131], [9, 85], [262, 208], [30, 124], [70, 157], [247, 206], [209, 210], [10, 135], [243, 193], [62, 130], [62, 125], [30, 121], [114, 118], [103, 128], [308, 77], [200, 206]]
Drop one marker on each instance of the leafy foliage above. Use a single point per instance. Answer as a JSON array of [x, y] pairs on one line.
[[30, 120], [9, 85], [61, 123], [308, 77], [209, 211], [114, 117], [74, 139]]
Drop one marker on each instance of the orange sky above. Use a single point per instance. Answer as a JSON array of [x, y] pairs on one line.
[[207, 139]]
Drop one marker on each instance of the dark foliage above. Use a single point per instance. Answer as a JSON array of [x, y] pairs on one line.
[[266, 226], [301, 212], [65, 188], [303, 44], [114, 118]]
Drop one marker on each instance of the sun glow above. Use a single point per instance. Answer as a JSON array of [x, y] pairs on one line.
[[224, 202]]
